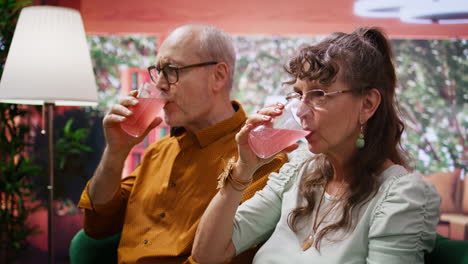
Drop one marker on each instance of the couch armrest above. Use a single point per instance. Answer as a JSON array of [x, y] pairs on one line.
[[457, 225]]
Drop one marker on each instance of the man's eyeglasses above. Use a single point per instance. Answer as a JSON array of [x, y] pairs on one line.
[[315, 98], [171, 72]]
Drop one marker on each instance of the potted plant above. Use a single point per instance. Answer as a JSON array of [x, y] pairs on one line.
[[16, 169]]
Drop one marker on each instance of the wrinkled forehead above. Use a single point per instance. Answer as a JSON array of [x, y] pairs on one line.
[[305, 85]]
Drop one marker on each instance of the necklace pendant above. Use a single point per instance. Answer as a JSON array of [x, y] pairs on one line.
[[307, 243]]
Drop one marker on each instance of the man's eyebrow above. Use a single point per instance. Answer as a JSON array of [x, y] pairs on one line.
[[176, 62], [173, 62], [164, 62]]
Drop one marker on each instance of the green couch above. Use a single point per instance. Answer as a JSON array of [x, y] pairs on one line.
[[448, 251], [85, 250]]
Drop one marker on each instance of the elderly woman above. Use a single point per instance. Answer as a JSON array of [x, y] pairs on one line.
[[352, 202]]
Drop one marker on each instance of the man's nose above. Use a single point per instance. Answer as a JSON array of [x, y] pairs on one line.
[[162, 84]]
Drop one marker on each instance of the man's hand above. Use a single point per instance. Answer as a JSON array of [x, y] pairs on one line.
[[118, 141]]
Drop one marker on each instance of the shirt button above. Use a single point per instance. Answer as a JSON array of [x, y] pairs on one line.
[[145, 241], [162, 215]]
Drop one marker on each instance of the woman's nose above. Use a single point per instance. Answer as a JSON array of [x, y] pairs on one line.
[[302, 110]]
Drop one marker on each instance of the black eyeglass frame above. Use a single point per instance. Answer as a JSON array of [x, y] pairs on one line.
[[176, 69]]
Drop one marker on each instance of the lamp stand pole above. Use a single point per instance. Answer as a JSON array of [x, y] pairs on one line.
[[49, 118]]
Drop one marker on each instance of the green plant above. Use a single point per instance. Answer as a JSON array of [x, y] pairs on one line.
[[16, 190], [69, 144], [109, 54], [69, 150], [433, 92], [16, 169]]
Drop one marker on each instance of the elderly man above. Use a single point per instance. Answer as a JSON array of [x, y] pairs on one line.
[[158, 206]]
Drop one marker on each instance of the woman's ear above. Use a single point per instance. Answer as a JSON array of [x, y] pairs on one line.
[[370, 102], [221, 76]]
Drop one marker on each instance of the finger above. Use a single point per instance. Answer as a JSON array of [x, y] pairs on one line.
[[242, 135], [120, 110], [112, 119], [271, 111], [290, 148], [128, 101], [279, 105], [157, 120], [257, 119], [133, 93]]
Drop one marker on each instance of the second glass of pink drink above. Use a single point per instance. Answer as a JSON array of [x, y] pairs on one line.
[[149, 105], [284, 130]]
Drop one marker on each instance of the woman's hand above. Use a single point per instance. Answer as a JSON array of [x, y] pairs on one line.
[[248, 162]]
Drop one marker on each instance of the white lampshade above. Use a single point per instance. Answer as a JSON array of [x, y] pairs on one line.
[[49, 60]]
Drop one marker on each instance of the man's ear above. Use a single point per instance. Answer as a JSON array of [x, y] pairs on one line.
[[221, 76], [369, 104]]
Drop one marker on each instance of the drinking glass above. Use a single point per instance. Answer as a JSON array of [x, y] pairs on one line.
[[283, 131], [149, 105]]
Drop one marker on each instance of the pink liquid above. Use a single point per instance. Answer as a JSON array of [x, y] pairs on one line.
[[267, 141], [143, 114]]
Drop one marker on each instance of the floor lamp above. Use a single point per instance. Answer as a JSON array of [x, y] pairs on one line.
[[49, 64]]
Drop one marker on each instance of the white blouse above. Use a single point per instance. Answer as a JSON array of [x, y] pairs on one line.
[[398, 225]]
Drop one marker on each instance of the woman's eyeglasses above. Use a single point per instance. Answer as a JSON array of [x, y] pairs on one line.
[[315, 98]]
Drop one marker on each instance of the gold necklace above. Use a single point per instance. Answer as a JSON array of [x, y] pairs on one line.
[[307, 243]]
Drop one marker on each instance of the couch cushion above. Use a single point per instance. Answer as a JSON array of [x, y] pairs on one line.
[[448, 251], [446, 185]]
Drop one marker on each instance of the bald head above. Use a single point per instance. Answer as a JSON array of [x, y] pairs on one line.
[[186, 36], [209, 44]]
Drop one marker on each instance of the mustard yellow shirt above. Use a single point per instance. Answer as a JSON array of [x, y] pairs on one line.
[[160, 204]]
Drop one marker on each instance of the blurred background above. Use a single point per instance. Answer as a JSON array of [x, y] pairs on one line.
[[431, 54]]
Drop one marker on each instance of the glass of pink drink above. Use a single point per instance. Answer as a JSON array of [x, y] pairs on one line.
[[149, 105], [283, 131]]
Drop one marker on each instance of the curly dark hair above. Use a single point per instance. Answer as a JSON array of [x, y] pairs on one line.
[[362, 60]]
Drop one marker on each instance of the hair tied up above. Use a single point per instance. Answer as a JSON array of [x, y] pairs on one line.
[[377, 38]]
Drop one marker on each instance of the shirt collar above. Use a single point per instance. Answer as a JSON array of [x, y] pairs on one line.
[[208, 135]]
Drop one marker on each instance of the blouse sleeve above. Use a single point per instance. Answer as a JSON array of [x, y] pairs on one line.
[[403, 226], [256, 218]]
